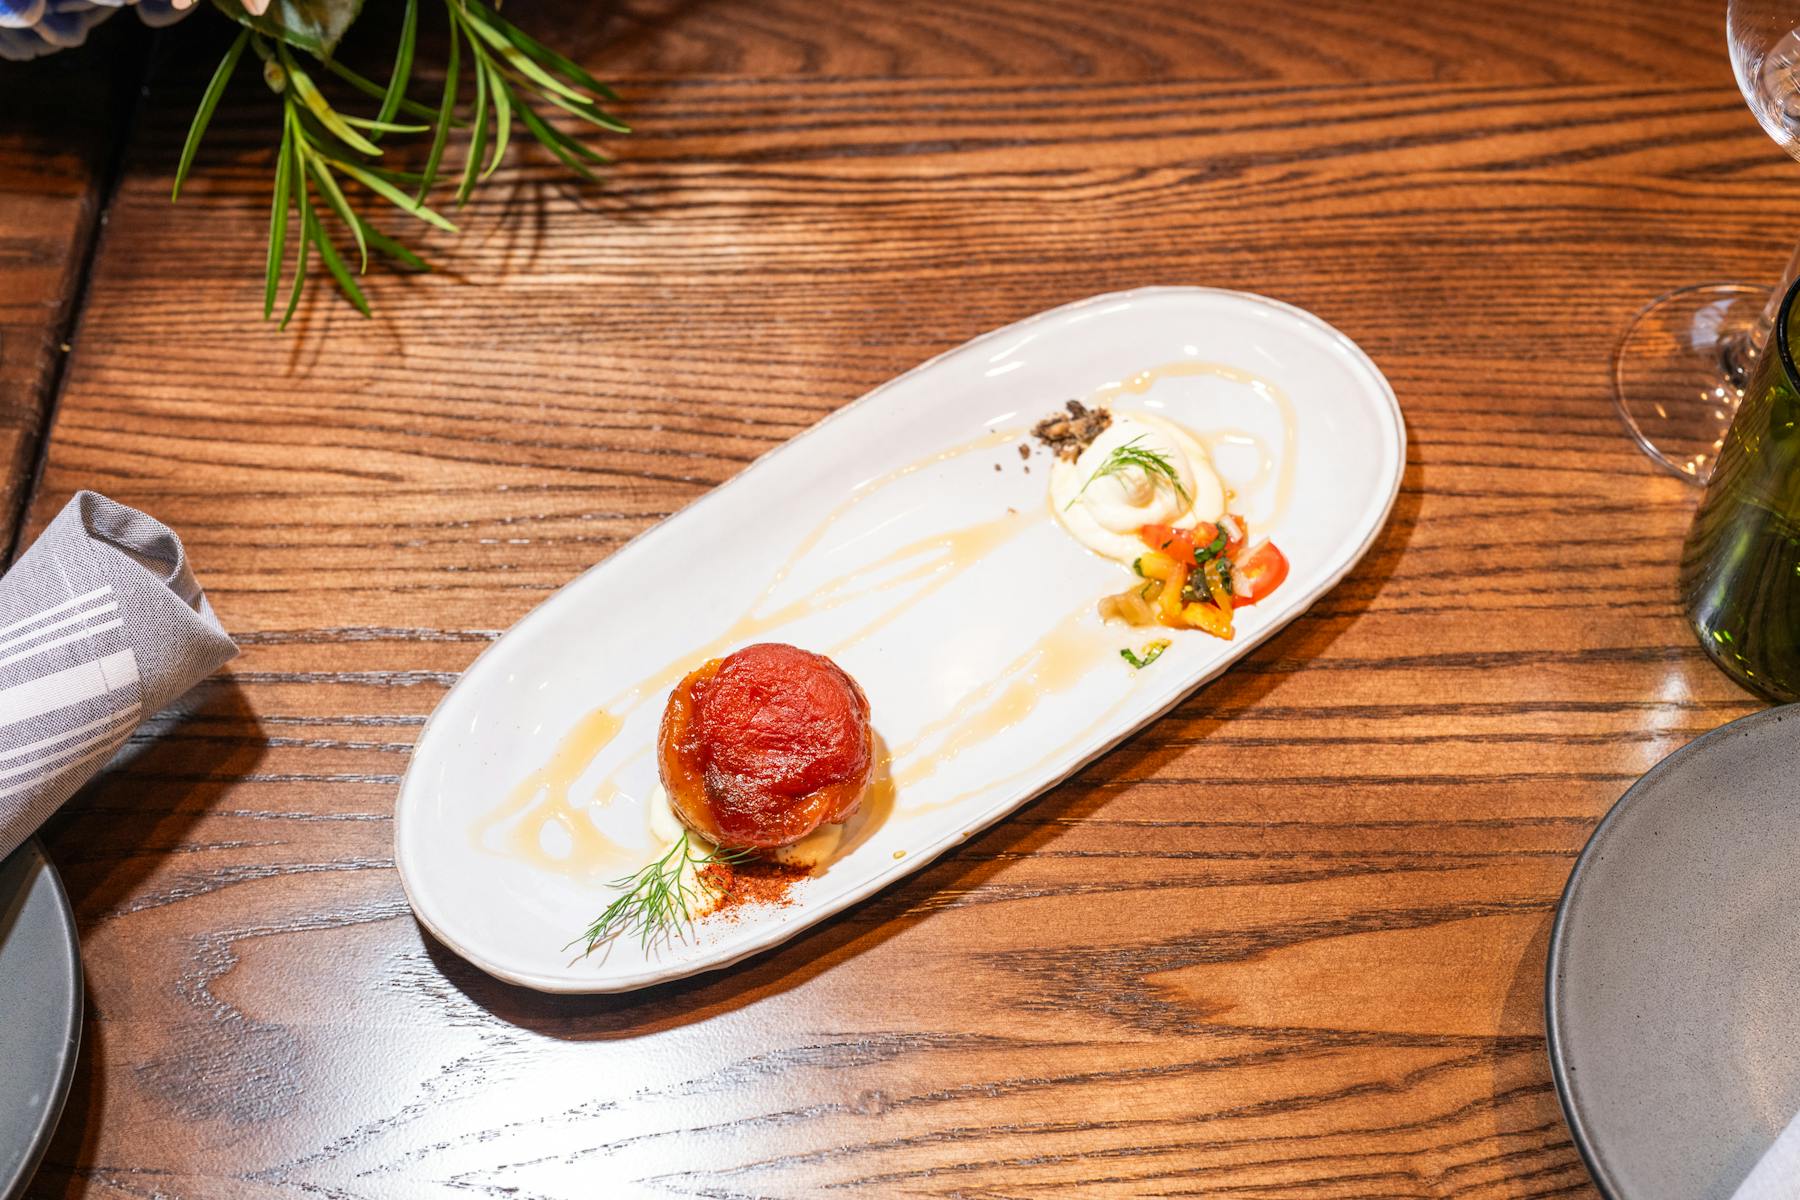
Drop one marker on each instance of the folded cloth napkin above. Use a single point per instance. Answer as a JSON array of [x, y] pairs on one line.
[[1776, 1175], [101, 625]]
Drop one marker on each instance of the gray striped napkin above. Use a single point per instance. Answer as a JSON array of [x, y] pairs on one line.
[[101, 625]]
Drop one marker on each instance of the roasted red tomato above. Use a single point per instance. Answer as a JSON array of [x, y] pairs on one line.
[[760, 748]]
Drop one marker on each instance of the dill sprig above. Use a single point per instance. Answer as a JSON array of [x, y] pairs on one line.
[[657, 901], [1133, 457]]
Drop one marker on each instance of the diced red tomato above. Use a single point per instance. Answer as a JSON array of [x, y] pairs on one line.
[[1259, 573], [1156, 536], [1178, 544]]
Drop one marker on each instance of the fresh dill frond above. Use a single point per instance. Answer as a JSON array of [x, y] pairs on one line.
[[1133, 457], [657, 901]]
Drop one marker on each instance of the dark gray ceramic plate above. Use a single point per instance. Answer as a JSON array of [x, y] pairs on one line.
[[40, 1010], [1673, 1001]]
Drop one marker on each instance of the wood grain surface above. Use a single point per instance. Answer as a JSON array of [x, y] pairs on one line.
[[1287, 941], [60, 123]]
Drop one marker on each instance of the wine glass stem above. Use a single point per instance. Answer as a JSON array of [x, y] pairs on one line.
[[1741, 353]]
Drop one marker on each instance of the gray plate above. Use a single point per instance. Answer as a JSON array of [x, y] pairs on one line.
[[1673, 1000], [40, 1010]]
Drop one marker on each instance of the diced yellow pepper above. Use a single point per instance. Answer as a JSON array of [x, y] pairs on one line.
[[1210, 618], [1153, 565], [1168, 603]]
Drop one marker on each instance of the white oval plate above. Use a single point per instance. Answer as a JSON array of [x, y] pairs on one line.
[[989, 675]]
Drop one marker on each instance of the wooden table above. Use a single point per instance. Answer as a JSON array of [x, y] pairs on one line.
[[1289, 940], [57, 144]]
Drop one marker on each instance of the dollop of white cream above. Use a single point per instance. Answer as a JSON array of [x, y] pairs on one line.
[[665, 826], [1122, 500], [1103, 512], [697, 896]]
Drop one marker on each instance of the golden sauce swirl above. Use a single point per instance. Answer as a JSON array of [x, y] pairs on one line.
[[541, 807], [1272, 461]]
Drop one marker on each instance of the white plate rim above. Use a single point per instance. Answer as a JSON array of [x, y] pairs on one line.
[[1058, 770]]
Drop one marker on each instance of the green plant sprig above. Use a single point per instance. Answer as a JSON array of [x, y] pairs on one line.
[[317, 145], [511, 68], [1132, 457], [657, 902], [322, 146]]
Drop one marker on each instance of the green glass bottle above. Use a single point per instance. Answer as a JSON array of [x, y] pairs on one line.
[[1740, 566]]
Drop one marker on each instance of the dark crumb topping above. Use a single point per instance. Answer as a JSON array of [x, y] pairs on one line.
[[1069, 433], [1024, 450]]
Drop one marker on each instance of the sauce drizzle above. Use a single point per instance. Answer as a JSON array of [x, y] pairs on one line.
[[541, 809], [1143, 381]]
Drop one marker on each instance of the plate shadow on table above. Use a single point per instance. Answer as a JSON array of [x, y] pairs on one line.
[[1535, 1115], [108, 840], [961, 871]]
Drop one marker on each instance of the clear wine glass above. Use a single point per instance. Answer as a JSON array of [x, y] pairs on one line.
[[1681, 368]]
